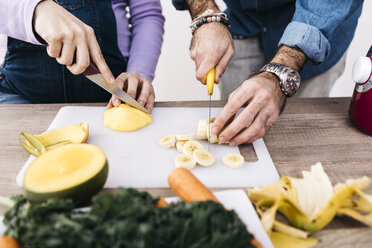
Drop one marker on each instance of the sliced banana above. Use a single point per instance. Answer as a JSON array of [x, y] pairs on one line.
[[190, 146], [203, 157], [212, 138], [185, 136], [168, 141], [233, 160], [201, 132], [180, 144], [184, 161]]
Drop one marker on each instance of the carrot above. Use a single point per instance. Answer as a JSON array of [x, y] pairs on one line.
[[256, 243], [8, 242], [188, 187], [162, 203]]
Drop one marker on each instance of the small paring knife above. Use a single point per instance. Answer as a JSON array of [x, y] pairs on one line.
[[93, 74], [210, 84]]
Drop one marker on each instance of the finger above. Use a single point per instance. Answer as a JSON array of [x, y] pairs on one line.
[[150, 102], [121, 80], [133, 82], [115, 101], [206, 64], [243, 120], [82, 60], [145, 92], [97, 56], [110, 104], [254, 132], [238, 99], [54, 49], [67, 54], [222, 65]]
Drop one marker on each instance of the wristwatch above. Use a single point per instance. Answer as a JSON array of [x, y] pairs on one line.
[[289, 79]]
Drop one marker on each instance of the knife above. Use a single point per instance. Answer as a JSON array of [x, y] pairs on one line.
[[210, 84], [93, 74]]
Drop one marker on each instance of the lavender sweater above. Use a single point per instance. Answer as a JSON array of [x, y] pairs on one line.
[[141, 43]]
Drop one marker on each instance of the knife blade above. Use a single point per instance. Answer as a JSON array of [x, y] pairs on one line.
[[210, 84], [93, 74]]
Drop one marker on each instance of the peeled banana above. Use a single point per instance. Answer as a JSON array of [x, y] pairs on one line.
[[190, 147], [184, 161], [233, 160], [185, 136], [168, 141], [203, 157], [180, 144]]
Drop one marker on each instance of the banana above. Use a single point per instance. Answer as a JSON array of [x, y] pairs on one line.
[[185, 136], [184, 161], [180, 144], [190, 146], [212, 138], [168, 141], [203, 157], [233, 160], [201, 132]]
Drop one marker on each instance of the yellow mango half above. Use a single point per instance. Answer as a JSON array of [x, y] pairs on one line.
[[125, 118], [76, 171]]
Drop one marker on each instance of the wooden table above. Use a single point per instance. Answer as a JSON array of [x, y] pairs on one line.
[[308, 131]]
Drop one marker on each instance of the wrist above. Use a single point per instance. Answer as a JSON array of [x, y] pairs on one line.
[[198, 7], [290, 56]]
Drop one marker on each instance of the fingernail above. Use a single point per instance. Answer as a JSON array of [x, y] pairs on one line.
[[222, 139], [141, 103], [232, 143], [214, 130], [117, 102]]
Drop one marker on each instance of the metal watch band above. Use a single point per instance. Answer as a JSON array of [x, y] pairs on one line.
[[289, 79]]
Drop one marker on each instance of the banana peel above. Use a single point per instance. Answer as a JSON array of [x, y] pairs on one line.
[[38, 144], [282, 240], [310, 203]]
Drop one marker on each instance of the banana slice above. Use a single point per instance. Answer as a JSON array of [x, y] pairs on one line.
[[212, 138], [168, 141], [184, 161], [185, 136], [201, 132], [180, 145], [233, 160], [190, 146], [203, 157]]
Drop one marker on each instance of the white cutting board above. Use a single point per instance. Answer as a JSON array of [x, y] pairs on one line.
[[137, 160], [231, 199]]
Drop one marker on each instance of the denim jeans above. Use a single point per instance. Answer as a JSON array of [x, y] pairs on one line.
[[29, 75]]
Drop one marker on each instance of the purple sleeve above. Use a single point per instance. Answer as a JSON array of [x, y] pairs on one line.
[[147, 37], [18, 19]]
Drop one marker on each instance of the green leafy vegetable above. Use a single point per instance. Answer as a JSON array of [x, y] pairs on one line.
[[126, 219]]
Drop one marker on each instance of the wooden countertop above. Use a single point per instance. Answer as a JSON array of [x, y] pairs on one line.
[[308, 131]]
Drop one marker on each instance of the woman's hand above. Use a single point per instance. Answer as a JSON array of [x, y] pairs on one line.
[[137, 87]]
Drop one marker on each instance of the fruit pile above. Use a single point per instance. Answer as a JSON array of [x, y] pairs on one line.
[[193, 153]]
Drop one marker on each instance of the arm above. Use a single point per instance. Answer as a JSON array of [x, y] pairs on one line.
[[211, 45], [17, 19]]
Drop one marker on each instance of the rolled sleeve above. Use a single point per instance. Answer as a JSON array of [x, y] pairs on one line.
[[307, 38], [18, 19]]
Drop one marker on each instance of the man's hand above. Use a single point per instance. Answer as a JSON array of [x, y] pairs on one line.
[[68, 38], [137, 87], [263, 99], [211, 46]]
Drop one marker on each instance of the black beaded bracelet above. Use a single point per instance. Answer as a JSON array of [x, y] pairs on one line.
[[207, 19]]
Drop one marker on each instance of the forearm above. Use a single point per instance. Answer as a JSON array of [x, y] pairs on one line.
[[290, 56], [17, 22], [197, 7]]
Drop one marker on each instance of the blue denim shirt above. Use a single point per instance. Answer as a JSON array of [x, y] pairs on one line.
[[322, 29]]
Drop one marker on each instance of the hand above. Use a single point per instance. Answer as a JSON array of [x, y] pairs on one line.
[[264, 101], [211, 46], [68, 37], [137, 87]]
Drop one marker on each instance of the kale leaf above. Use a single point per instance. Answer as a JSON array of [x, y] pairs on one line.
[[124, 220]]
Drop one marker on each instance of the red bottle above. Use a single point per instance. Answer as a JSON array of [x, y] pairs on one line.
[[360, 110]]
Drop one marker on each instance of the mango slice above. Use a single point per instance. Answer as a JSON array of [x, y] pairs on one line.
[[125, 118], [38, 144]]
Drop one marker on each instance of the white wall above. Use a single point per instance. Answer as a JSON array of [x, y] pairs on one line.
[[175, 75]]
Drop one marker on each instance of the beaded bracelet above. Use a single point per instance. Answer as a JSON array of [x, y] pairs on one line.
[[207, 17]]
